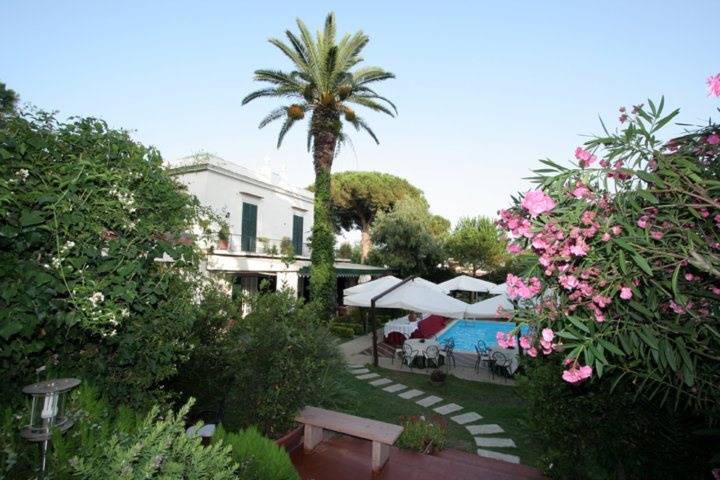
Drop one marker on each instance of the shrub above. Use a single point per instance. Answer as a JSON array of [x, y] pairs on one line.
[[259, 457], [423, 435], [282, 357], [343, 330], [591, 431], [85, 211], [438, 376]]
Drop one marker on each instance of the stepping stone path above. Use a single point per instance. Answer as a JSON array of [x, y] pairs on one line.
[[484, 429], [395, 388], [466, 418], [449, 408], [411, 394], [380, 382], [478, 431], [428, 401]]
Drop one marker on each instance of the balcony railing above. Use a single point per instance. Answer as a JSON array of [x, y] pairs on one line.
[[262, 245]]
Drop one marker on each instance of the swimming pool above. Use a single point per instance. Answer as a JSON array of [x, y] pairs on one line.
[[467, 332]]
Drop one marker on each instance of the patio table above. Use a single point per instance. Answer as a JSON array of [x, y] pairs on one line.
[[420, 346]]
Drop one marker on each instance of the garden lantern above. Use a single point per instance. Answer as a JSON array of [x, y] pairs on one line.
[[47, 412]]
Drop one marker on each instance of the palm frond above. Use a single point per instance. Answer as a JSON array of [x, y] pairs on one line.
[[368, 93], [265, 92], [348, 52], [272, 116], [371, 74], [360, 124], [314, 68], [369, 103], [342, 141], [298, 46], [278, 77], [289, 122], [289, 52]]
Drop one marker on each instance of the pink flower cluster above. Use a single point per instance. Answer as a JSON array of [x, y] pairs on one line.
[[713, 83], [517, 288], [505, 340], [515, 224], [537, 202], [586, 158], [576, 374]]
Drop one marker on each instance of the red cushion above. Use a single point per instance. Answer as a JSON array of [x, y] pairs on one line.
[[395, 339], [431, 325]]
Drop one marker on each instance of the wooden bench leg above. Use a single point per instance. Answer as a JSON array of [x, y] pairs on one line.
[[313, 436], [380, 454]]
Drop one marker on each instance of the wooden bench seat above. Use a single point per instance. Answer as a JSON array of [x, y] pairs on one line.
[[381, 434]]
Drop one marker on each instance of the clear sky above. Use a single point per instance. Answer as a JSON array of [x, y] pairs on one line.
[[484, 89]]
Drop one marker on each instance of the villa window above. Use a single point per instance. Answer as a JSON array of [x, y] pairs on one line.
[[248, 236], [297, 234]]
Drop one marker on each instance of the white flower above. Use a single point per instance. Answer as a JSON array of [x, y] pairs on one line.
[[124, 312], [96, 298], [104, 252], [55, 262], [23, 174]]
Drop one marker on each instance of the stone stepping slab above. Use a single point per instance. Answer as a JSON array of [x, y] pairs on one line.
[[449, 408], [488, 429], [354, 366], [380, 382], [494, 442], [367, 376], [359, 371], [411, 394], [395, 388], [429, 401], [505, 457], [466, 418]]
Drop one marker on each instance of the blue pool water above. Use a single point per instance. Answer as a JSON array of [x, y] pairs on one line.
[[467, 332]]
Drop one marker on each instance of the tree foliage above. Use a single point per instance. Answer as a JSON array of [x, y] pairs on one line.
[[86, 210], [8, 99], [324, 82], [404, 240], [628, 262], [476, 243]]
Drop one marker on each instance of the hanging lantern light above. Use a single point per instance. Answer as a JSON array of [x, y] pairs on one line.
[[47, 412]]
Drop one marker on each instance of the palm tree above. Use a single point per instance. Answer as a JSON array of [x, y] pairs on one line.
[[323, 85]]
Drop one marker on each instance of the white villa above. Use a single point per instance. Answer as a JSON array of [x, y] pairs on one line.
[[270, 221]]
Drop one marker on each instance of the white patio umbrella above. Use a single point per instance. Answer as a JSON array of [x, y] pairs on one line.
[[429, 284], [466, 283], [380, 284], [488, 308], [499, 290], [413, 296]]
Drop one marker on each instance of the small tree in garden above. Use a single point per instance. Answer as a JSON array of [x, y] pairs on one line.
[[475, 243], [627, 279]]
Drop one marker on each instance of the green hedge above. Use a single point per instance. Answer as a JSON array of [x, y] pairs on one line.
[[259, 457], [342, 330]]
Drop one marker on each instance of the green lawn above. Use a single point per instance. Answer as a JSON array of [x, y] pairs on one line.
[[496, 403]]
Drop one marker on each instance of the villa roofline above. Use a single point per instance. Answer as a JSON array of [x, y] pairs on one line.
[[238, 172]]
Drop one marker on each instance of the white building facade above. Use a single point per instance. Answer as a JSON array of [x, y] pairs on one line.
[[269, 220]]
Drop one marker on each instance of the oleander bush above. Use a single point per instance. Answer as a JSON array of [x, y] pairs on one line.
[[625, 286], [258, 457], [86, 211]]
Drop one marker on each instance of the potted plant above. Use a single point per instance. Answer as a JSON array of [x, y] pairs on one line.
[[223, 237], [437, 377]]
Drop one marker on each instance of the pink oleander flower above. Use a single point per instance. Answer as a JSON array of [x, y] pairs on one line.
[[705, 213], [537, 202], [656, 234], [602, 301], [642, 221], [581, 191], [586, 158], [715, 289], [532, 351], [690, 277], [547, 334], [625, 293], [713, 83], [514, 248], [519, 289], [676, 307], [580, 249], [713, 139], [525, 342], [605, 237], [568, 282], [576, 375], [505, 340], [616, 230]]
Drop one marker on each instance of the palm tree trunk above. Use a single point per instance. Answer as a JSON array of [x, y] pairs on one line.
[[325, 125], [365, 242]]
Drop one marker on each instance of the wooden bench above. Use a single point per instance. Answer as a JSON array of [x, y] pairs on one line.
[[382, 434]]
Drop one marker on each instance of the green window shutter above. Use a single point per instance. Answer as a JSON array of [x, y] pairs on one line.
[[249, 227], [297, 237]]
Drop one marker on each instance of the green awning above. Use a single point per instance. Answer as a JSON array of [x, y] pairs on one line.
[[346, 269]]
